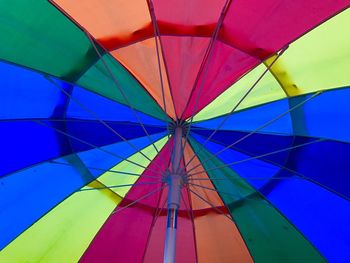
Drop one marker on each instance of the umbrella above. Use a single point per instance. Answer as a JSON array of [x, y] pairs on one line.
[[174, 131]]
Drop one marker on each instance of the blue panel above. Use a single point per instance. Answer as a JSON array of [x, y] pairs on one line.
[[321, 215], [26, 143], [259, 170], [27, 94], [98, 134], [256, 144], [29, 194], [328, 115], [105, 109], [251, 119], [326, 162], [324, 116]]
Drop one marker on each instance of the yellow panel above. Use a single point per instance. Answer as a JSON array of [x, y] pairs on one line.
[[63, 234], [267, 89], [319, 60], [109, 178]]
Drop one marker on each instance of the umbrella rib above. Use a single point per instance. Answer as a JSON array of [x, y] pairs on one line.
[[122, 92], [93, 145], [302, 177], [206, 61], [95, 115], [239, 102], [72, 120], [107, 170], [117, 186], [239, 196], [259, 128], [156, 36], [186, 208], [192, 220], [138, 200], [249, 178], [160, 208], [213, 206], [256, 157], [156, 214]]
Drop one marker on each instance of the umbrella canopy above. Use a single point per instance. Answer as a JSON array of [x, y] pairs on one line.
[[194, 131]]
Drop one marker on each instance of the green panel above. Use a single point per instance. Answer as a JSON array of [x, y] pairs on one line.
[[99, 80], [269, 236], [35, 34], [63, 234]]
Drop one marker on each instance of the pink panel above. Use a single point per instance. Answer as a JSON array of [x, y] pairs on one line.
[[124, 235], [188, 13], [183, 56], [263, 27], [225, 66]]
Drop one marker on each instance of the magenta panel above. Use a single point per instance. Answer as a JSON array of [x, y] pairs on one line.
[[123, 237]]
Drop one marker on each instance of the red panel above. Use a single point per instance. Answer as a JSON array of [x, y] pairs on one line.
[[225, 66], [188, 13], [124, 235], [183, 56], [263, 27]]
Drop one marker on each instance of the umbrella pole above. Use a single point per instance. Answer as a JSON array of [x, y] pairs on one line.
[[174, 181]]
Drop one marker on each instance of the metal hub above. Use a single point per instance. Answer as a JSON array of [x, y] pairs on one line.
[[180, 176], [178, 124]]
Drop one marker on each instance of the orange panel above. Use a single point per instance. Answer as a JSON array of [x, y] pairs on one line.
[[141, 59], [105, 19], [217, 237], [209, 195]]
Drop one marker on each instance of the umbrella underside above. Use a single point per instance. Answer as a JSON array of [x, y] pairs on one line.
[[221, 127]]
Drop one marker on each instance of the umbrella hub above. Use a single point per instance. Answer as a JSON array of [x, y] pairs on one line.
[[175, 182], [182, 124]]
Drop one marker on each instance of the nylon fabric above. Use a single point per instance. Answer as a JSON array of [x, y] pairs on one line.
[[303, 68], [266, 89], [105, 109], [211, 227], [98, 79], [56, 47], [116, 22], [251, 119], [141, 60], [36, 190], [28, 96], [299, 199], [184, 56], [68, 229], [267, 233], [324, 116], [129, 228]]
